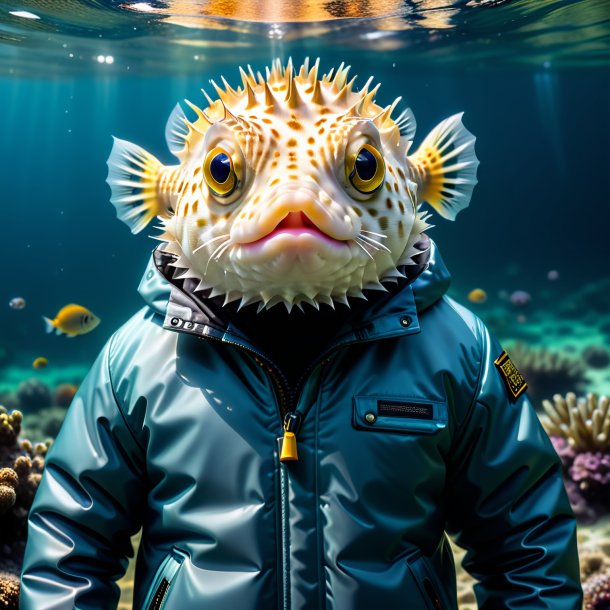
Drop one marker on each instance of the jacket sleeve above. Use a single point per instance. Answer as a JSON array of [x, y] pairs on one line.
[[506, 502], [87, 506]]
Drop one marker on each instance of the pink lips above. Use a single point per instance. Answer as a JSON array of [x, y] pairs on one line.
[[296, 224]]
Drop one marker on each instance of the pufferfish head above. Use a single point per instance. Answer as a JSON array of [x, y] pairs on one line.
[[292, 188]]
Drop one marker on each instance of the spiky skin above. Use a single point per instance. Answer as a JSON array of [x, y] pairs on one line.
[[291, 138]]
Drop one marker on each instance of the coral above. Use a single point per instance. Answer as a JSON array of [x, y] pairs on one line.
[[583, 510], [44, 423], [33, 394], [579, 429], [8, 489], [591, 472], [64, 393], [10, 426], [563, 449], [596, 357], [547, 372], [21, 465], [584, 423], [597, 592], [9, 591], [592, 562]]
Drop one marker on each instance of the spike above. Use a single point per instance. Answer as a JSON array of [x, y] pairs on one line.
[[367, 100], [245, 79], [293, 98], [260, 78], [326, 300], [375, 285], [352, 111], [382, 117], [395, 103], [304, 69], [328, 77], [339, 69], [215, 292], [341, 97], [251, 97], [357, 293], [269, 97], [207, 97], [200, 114], [341, 78], [237, 119], [288, 72], [316, 96], [228, 89], [313, 73], [222, 94], [276, 71], [365, 88], [245, 300], [341, 298], [350, 85]]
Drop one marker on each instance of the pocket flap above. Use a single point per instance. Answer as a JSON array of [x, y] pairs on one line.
[[397, 414]]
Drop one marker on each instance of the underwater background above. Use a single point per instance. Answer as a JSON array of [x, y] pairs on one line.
[[531, 255]]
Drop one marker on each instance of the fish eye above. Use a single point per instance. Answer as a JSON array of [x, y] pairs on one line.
[[366, 169], [219, 172]]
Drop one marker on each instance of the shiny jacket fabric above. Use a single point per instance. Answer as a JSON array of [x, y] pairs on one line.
[[407, 432]]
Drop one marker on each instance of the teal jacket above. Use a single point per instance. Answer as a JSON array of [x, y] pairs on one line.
[[408, 433]]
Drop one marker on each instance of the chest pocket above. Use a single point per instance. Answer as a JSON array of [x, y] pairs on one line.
[[397, 414]]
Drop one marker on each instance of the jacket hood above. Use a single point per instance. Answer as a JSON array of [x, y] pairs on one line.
[[430, 284]]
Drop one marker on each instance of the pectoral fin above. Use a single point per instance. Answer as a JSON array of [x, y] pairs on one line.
[[447, 165], [134, 176]]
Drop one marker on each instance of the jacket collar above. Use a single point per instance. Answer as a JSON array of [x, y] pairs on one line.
[[187, 311]]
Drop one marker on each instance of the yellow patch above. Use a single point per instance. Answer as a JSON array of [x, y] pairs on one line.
[[512, 377]]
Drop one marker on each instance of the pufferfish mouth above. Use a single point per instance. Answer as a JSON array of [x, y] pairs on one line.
[[295, 224]]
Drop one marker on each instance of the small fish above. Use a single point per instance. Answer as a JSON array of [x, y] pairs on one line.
[[478, 295], [17, 303], [40, 362], [72, 320]]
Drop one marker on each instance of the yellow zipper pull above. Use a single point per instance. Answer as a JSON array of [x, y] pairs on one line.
[[289, 443]]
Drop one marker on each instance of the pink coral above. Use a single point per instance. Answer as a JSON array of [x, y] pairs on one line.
[[597, 592]]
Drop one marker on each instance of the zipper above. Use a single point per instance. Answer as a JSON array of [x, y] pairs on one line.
[[287, 397], [280, 382], [285, 537], [163, 580]]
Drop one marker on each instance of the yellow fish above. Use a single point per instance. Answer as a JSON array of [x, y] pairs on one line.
[[72, 320], [40, 363], [478, 295]]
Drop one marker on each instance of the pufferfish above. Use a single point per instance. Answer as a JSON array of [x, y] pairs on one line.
[[293, 188]]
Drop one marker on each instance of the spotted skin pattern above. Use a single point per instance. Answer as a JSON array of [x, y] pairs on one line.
[[293, 228]]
